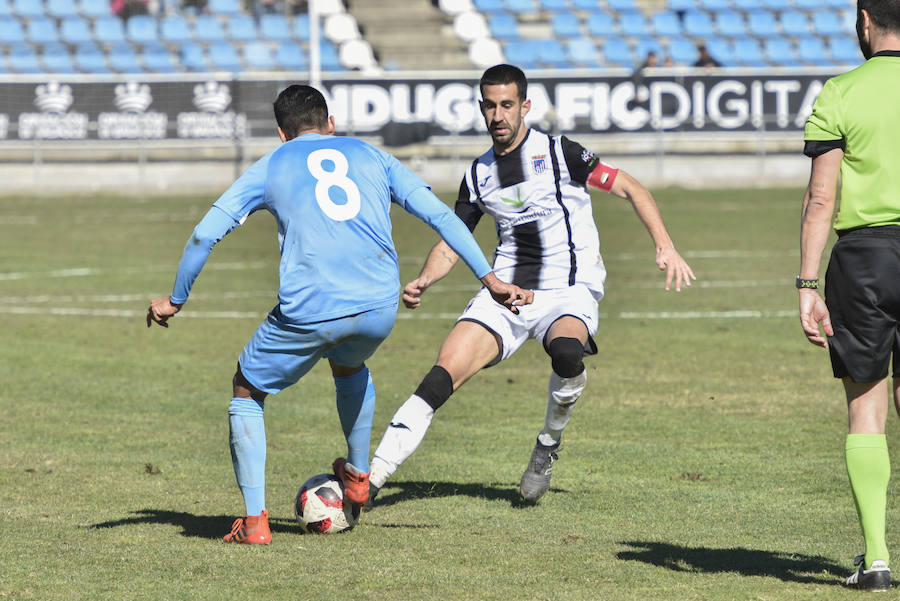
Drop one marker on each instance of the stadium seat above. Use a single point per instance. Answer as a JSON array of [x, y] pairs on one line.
[[192, 57], [632, 23], [566, 25], [300, 27], [274, 28], [762, 23], [845, 51], [848, 18], [109, 30], [666, 24], [780, 52], [618, 5], [456, 7], [141, 29], [714, 6], [485, 52], [11, 31], [489, 6], [258, 56], [555, 5], [521, 6], [747, 5], [29, 9], [223, 57], [589, 5], [21, 58], [682, 5], [175, 29], [61, 9], [730, 23], [341, 28], [748, 53], [698, 24], [329, 57], [524, 53], [682, 51], [601, 25], [722, 50], [583, 52], [470, 26], [645, 46], [229, 8], [794, 22], [89, 58], [552, 54], [291, 56], [158, 59], [208, 29], [75, 30], [94, 9], [41, 30], [808, 4], [779, 5], [5, 11], [123, 59], [357, 54], [826, 22], [616, 52], [242, 28], [503, 26], [812, 51]]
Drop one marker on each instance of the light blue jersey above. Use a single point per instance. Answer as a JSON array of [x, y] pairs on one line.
[[331, 199]]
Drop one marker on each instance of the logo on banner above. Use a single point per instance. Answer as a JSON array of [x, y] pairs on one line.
[[212, 119], [539, 164], [132, 121], [54, 122]]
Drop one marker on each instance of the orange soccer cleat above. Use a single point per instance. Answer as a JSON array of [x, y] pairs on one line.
[[356, 482], [250, 530]]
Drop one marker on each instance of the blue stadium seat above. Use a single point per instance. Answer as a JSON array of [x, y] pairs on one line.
[[682, 51], [681, 5], [141, 29], [521, 6], [618, 5], [11, 31], [192, 57], [780, 52], [524, 53], [845, 51], [90, 59], [291, 56], [552, 54], [258, 56], [208, 29], [29, 9], [109, 30], [778, 5], [747, 5], [848, 18], [242, 28], [61, 9], [583, 52], [826, 22], [617, 52], [175, 29], [224, 7], [812, 51], [5, 9], [123, 59], [808, 4], [489, 6], [223, 57], [329, 56], [554, 5], [75, 30], [632, 23], [274, 28], [41, 30], [503, 26], [21, 58], [714, 5], [730, 23], [698, 24], [666, 24], [762, 23], [794, 22], [722, 50], [836, 3], [94, 9], [57, 59], [300, 27], [645, 46], [158, 59], [566, 25], [601, 25], [748, 52], [589, 5]]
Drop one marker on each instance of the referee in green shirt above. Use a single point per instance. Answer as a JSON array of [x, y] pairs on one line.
[[855, 129]]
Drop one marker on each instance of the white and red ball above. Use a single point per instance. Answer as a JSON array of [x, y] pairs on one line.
[[320, 506]]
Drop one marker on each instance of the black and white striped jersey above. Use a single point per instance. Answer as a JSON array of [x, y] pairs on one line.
[[537, 195]]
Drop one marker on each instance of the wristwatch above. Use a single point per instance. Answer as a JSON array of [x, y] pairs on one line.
[[810, 284]]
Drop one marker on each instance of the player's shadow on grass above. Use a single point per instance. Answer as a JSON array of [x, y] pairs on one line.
[[193, 525], [411, 490], [789, 567]]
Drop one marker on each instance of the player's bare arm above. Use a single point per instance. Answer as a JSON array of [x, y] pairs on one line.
[[160, 310], [815, 225], [678, 272]]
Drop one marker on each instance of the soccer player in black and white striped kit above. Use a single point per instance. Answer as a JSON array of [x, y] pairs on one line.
[[535, 187]]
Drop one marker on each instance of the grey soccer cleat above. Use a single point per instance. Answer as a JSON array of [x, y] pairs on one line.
[[536, 479], [369, 505], [876, 578]]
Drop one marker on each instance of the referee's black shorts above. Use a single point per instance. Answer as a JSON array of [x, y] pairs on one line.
[[862, 292]]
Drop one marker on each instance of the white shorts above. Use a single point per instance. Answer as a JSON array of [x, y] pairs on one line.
[[535, 319]]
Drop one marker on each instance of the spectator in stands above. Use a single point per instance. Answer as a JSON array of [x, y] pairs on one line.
[[650, 62], [705, 58], [198, 5], [128, 8], [668, 62], [267, 7]]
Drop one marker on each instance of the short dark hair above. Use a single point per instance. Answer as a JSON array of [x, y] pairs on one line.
[[300, 108], [499, 75], [885, 14]]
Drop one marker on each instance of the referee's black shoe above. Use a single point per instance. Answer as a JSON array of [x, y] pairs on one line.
[[876, 578]]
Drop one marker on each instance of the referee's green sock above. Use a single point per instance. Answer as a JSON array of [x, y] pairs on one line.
[[869, 469]]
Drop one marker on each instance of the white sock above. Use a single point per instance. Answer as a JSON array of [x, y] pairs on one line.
[[401, 439], [563, 392]]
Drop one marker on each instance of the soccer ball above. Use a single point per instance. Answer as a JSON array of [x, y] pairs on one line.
[[320, 507]]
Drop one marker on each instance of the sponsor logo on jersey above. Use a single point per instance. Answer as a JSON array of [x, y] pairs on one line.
[[539, 164], [484, 182], [518, 202]]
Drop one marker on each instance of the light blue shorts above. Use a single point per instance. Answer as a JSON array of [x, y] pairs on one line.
[[278, 354]]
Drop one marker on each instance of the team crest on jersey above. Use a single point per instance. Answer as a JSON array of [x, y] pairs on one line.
[[539, 164], [586, 155]]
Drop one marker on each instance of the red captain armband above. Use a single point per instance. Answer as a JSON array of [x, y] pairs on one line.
[[603, 176]]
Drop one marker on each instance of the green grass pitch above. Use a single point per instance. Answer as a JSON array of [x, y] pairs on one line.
[[704, 461]]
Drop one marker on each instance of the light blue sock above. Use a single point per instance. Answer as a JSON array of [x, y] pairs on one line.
[[356, 406], [248, 451]]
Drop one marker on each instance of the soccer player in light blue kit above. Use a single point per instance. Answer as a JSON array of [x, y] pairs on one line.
[[339, 282]]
